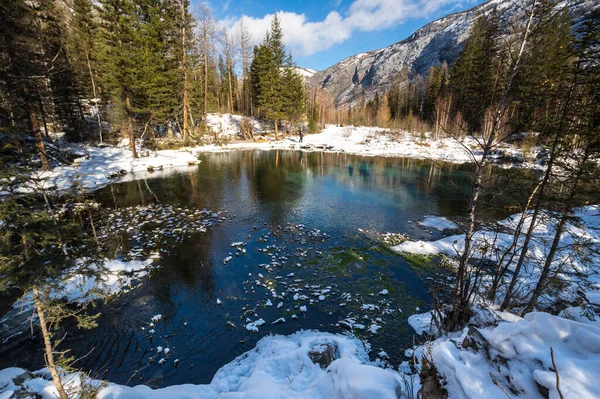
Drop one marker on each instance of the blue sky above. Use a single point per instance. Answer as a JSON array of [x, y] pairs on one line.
[[323, 32]]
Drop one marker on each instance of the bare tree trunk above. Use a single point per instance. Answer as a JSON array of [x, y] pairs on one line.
[[542, 282], [48, 349], [42, 112], [130, 127], [205, 75], [532, 223], [95, 97], [461, 297], [502, 267], [185, 72], [33, 125], [276, 131], [230, 90]]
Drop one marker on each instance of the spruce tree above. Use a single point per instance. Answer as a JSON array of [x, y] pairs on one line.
[[276, 86], [117, 62], [294, 93], [473, 75]]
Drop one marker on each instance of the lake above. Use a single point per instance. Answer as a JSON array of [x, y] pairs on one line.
[[302, 227]]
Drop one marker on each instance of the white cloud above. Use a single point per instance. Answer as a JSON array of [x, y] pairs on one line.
[[305, 37]]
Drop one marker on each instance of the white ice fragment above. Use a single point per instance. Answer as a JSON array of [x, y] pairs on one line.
[[374, 327], [157, 317], [219, 301], [279, 305], [303, 309], [383, 292], [268, 303], [159, 349], [279, 320]]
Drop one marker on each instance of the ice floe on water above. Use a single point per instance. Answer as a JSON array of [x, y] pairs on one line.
[[438, 223], [147, 227]]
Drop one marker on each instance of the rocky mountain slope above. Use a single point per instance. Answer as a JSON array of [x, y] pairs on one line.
[[438, 41]]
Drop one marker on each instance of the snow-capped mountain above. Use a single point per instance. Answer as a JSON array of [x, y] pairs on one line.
[[438, 41], [306, 72]]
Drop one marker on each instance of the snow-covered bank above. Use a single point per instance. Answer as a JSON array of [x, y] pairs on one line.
[[575, 262], [503, 354], [98, 166], [516, 354], [360, 140], [95, 280], [368, 141], [278, 367]]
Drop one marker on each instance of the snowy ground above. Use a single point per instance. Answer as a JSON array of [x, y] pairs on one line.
[[97, 166], [362, 140], [278, 367], [576, 260], [513, 351]]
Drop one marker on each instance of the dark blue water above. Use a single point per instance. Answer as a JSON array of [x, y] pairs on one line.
[[295, 213]]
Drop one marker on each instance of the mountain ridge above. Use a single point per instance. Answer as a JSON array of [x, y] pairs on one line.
[[441, 40]]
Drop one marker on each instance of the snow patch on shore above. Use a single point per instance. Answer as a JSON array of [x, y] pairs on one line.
[[112, 277], [363, 140], [98, 166], [438, 223], [574, 260], [278, 367], [520, 360]]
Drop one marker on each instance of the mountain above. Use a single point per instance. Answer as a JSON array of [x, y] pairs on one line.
[[306, 72], [438, 41]]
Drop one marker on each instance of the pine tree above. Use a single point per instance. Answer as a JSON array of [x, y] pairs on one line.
[[473, 75], [432, 91], [294, 93], [268, 67], [82, 50], [38, 253], [117, 53]]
